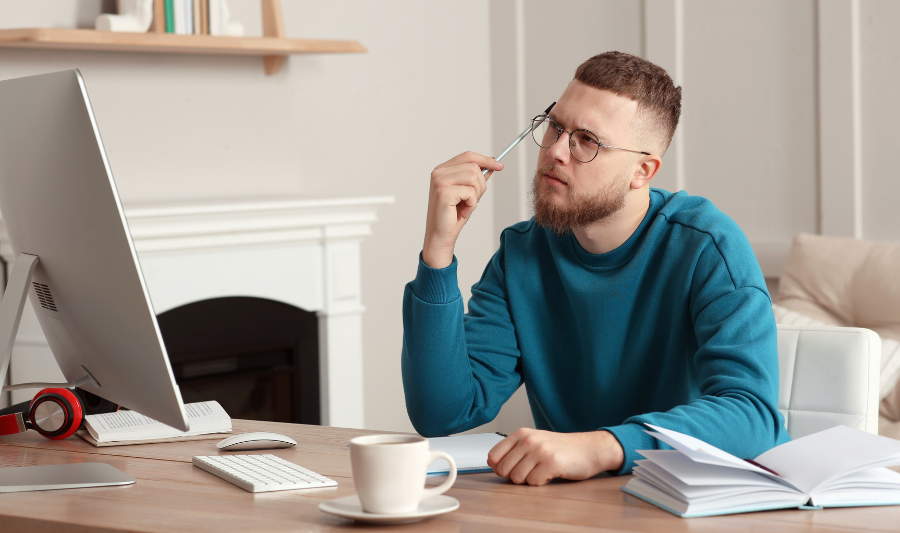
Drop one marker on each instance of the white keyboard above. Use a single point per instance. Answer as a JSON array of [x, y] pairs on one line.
[[261, 473]]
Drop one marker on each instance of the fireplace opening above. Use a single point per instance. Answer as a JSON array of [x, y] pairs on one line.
[[258, 358]]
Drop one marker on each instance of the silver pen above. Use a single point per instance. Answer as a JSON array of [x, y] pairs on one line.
[[521, 136]]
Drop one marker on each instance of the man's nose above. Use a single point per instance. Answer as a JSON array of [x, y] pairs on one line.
[[560, 149]]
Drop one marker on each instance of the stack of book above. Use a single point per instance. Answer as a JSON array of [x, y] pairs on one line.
[[191, 17], [838, 467]]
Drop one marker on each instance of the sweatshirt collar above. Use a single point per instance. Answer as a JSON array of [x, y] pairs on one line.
[[626, 250]]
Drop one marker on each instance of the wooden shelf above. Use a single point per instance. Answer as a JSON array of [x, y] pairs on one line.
[[167, 43]]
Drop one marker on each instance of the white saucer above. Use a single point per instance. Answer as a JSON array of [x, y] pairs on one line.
[[349, 507]]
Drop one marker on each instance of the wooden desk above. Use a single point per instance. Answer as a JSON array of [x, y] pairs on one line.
[[173, 495]]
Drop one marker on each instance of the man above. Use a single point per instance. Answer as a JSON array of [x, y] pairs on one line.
[[617, 305]]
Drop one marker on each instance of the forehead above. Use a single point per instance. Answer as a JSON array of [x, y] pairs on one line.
[[583, 106]]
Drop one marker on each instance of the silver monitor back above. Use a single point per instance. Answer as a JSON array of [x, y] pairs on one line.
[[59, 202]]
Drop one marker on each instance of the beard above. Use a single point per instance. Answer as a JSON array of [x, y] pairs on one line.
[[578, 209]]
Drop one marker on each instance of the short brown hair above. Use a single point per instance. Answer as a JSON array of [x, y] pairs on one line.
[[659, 100]]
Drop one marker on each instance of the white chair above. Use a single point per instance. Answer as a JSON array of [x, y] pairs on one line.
[[829, 376]]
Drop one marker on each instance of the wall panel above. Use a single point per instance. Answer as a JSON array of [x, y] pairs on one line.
[[750, 113], [880, 75]]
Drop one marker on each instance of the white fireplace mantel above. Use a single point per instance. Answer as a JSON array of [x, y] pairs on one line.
[[302, 252]]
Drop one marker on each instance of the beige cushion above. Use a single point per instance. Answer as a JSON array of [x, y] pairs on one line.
[[844, 282], [847, 282]]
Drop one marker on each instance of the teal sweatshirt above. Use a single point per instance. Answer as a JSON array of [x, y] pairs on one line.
[[673, 328]]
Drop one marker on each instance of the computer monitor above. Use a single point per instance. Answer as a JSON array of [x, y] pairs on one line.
[[59, 202]]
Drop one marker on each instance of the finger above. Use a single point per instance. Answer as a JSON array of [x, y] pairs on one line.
[[523, 468], [499, 451], [493, 166], [464, 209], [465, 200], [509, 462], [482, 161], [490, 172], [481, 181], [452, 194], [468, 174], [541, 474], [460, 193]]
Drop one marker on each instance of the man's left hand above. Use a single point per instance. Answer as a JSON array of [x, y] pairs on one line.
[[536, 457]]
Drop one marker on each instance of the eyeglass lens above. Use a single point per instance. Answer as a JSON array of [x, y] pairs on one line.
[[582, 144]]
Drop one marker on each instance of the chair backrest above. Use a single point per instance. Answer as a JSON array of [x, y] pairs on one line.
[[828, 377]]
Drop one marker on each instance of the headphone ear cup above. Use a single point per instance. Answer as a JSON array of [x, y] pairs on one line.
[[56, 413]]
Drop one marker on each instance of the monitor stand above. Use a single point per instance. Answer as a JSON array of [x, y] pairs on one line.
[[47, 477]]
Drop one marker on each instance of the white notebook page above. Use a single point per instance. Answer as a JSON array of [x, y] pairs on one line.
[[469, 451], [133, 424], [813, 460]]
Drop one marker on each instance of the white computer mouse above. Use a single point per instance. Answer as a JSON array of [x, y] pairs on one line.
[[256, 441]]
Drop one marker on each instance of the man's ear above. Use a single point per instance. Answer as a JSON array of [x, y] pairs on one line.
[[649, 166]]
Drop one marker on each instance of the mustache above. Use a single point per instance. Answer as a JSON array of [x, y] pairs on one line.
[[553, 169]]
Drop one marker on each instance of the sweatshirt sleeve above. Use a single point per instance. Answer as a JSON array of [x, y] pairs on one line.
[[458, 369], [737, 366]]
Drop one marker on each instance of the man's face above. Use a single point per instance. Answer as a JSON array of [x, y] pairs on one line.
[[568, 193]]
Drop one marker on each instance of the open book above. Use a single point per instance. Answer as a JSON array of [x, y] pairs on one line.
[[129, 427], [838, 467], [469, 452]]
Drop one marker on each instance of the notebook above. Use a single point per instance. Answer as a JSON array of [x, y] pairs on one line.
[[468, 451], [838, 467]]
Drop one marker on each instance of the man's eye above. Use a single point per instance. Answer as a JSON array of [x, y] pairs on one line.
[[585, 139]]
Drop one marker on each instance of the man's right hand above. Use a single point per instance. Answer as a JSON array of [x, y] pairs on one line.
[[456, 187]]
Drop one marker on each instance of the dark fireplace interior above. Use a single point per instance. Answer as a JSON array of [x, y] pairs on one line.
[[258, 358]]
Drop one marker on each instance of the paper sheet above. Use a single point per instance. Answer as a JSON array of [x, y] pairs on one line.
[[815, 459], [468, 451], [204, 417]]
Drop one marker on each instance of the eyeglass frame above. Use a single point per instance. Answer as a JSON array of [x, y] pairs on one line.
[[540, 119]]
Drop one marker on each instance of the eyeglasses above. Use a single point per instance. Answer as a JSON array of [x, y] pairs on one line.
[[583, 144]]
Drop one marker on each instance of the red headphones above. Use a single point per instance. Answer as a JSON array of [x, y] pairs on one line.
[[54, 413]]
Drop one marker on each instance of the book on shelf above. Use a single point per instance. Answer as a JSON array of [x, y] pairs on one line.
[[838, 467], [196, 17], [204, 17], [169, 14], [469, 452], [179, 13], [207, 420], [159, 16], [189, 17]]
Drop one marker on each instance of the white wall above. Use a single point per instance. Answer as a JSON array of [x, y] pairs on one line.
[[749, 106], [200, 127], [879, 113]]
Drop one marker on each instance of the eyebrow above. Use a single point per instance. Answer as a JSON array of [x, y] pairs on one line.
[[600, 136]]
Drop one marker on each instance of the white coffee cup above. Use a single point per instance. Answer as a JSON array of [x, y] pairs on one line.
[[389, 472]]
